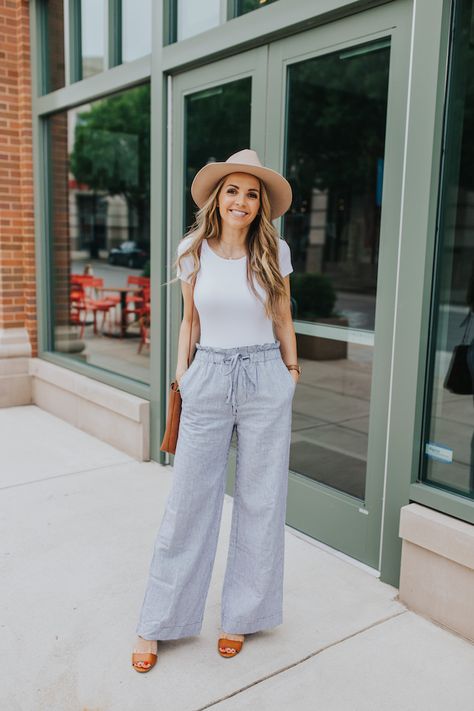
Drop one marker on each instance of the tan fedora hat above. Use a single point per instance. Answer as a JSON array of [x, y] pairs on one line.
[[246, 161]]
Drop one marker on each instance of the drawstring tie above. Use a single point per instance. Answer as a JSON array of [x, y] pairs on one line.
[[236, 379]]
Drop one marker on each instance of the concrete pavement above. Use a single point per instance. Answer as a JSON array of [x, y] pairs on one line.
[[77, 528]]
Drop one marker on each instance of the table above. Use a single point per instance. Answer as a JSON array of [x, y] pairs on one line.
[[123, 291]]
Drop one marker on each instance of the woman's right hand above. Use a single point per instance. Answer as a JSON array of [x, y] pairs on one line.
[[179, 375]]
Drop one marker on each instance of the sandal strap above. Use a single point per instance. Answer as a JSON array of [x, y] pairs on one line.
[[232, 643], [144, 657]]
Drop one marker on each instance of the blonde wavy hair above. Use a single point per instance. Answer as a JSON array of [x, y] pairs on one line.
[[262, 248]]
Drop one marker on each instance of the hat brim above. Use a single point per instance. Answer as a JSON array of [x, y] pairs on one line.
[[278, 188]]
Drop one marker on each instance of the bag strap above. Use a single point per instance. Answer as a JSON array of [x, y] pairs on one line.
[[467, 321]]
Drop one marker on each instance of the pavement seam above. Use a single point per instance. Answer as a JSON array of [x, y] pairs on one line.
[[300, 661], [60, 476]]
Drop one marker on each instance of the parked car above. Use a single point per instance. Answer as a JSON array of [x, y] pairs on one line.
[[129, 254]]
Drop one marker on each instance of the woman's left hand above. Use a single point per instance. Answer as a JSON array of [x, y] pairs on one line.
[[295, 375]]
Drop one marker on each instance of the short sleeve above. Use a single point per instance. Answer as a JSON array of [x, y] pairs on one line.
[[285, 258], [187, 264]]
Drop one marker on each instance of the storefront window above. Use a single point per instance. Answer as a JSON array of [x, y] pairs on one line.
[[92, 37], [206, 112], [335, 146], [244, 6], [136, 29], [192, 17], [100, 232], [334, 158], [52, 40], [449, 415]]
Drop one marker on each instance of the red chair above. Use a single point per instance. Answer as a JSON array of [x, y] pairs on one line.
[[98, 305], [138, 280], [80, 278], [144, 320], [136, 300], [77, 306]]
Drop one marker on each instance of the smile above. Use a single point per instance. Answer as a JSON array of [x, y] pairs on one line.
[[238, 213]]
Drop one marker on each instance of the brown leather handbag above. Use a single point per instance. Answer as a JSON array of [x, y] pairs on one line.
[[459, 378], [170, 437]]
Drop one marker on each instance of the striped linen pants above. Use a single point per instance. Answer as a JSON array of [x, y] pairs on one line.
[[250, 389]]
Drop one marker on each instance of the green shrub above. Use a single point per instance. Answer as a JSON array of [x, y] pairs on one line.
[[313, 295]]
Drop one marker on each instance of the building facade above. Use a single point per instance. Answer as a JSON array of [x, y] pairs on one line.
[[367, 108]]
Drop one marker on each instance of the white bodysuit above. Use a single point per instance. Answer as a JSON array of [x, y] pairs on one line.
[[229, 312]]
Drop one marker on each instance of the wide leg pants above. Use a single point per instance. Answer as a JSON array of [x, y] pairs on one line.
[[248, 388]]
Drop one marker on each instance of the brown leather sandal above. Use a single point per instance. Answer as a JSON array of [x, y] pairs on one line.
[[229, 647], [147, 658]]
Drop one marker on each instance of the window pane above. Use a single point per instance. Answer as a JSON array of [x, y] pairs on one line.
[[449, 439], [336, 115], [136, 29], [243, 6], [335, 145], [100, 217], [206, 112], [53, 42], [195, 17], [329, 442], [92, 36]]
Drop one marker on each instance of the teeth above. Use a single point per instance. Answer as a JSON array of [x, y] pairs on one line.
[[238, 212]]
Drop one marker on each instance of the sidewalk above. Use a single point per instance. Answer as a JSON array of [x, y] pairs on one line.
[[78, 523]]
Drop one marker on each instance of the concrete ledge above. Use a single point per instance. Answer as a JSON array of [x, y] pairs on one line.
[[15, 381], [15, 389], [437, 567], [112, 415], [14, 343], [103, 395]]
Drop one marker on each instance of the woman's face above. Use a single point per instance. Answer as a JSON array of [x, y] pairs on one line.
[[239, 199]]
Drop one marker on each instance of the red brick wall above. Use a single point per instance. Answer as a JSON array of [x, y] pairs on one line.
[[17, 252]]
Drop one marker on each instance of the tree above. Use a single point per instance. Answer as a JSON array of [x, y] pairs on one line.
[[111, 152]]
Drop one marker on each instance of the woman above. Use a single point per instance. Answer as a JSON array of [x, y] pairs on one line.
[[243, 377]]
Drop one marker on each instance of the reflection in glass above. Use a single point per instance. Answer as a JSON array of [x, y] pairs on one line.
[[244, 6], [100, 217], [335, 144], [136, 29], [211, 130], [92, 37], [195, 17], [331, 413], [53, 43], [449, 435], [336, 113]]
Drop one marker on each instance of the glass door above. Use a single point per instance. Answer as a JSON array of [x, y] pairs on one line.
[[217, 110], [338, 95]]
